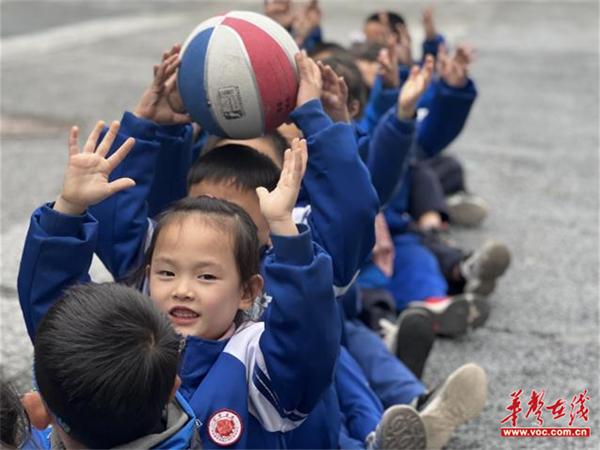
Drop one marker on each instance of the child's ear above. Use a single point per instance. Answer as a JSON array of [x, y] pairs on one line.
[[176, 386], [251, 289], [354, 108], [36, 410]]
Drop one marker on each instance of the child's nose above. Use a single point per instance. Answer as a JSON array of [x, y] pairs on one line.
[[183, 291]]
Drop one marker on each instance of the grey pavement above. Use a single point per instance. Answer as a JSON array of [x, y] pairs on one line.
[[530, 148]]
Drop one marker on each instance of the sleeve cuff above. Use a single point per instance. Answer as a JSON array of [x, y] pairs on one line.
[[468, 90], [296, 250], [403, 125], [58, 224], [311, 118], [137, 127]]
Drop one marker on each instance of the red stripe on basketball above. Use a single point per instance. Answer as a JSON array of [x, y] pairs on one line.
[[274, 74]]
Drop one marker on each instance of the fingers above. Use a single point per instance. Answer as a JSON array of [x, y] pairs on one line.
[[109, 138], [300, 150], [90, 144], [302, 64], [414, 72], [119, 155], [73, 138], [120, 185], [343, 89], [328, 75], [427, 69], [262, 194]]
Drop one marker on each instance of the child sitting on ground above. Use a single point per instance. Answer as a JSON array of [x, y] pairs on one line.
[[106, 372]]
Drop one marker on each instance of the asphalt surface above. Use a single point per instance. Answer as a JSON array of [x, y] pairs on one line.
[[530, 149]]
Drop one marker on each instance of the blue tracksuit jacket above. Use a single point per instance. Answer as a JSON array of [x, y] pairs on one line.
[[265, 379], [184, 437]]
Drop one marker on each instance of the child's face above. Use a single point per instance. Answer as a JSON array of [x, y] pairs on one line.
[[246, 199], [194, 277]]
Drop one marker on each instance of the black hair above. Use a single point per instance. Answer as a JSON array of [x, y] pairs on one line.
[[333, 48], [15, 428], [105, 364], [347, 68], [394, 19], [240, 165], [367, 51], [228, 216]]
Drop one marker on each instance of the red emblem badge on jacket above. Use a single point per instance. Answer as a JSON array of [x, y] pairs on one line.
[[225, 427]]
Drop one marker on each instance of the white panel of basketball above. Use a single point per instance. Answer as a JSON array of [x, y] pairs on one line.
[[233, 93]]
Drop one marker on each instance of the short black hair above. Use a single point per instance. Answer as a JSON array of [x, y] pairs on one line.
[[347, 68], [333, 48], [394, 19], [367, 51], [105, 364], [240, 165], [15, 428]]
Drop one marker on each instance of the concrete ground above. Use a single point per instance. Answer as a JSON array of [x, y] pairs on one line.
[[530, 148]]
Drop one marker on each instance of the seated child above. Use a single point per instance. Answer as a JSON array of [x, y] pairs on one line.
[[247, 381], [106, 372]]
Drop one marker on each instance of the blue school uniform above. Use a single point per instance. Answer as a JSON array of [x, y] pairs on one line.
[[247, 390], [181, 432]]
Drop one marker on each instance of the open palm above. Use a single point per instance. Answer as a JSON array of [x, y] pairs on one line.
[[86, 180], [414, 87]]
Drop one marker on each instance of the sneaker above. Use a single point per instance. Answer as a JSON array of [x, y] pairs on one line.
[[466, 209], [484, 266], [479, 309], [401, 427], [460, 399], [449, 314], [414, 339]]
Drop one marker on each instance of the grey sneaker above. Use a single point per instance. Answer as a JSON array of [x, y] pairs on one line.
[[461, 398], [479, 309], [484, 266], [466, 209], [401, 427]]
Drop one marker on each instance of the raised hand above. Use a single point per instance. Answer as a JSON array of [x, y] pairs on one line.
[[278, 204], [454, 70], [311, 82], [334, 94], [428, 24], [306, 19], [388, 66], [154, 104], [404, 47], [280, 11], [86, 177], [413, 88]]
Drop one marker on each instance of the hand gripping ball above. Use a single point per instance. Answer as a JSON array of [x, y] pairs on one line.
[[237, 76]]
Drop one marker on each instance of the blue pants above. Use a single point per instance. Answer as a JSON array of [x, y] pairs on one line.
[[389, 378], [359, 405], [417, 273]]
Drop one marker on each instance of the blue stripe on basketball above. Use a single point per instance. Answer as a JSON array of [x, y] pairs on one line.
[[191, 82]]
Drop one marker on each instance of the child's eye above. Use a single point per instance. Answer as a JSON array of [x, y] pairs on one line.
[[165, 273], [207, 277]]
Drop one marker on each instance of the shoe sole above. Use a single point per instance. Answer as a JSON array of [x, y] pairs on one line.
[[452, 322], [461, 398], [480, 286], [401, 427], [414, 339], [467, 214], [496, 262], [479, 310]]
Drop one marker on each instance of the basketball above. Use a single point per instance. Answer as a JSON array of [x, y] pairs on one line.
[[237, 76]]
